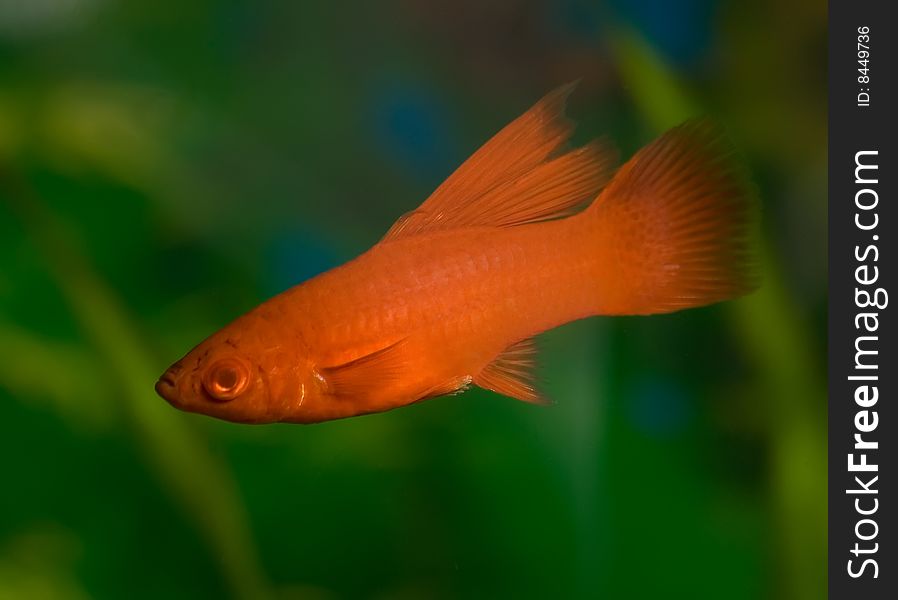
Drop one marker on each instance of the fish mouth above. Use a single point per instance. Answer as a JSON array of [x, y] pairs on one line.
[[167, 388]]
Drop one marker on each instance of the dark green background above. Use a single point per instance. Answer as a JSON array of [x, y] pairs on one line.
[[165, 166]]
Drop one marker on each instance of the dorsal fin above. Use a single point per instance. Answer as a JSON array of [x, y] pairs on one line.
[[356, 379], [511, 373], [519, 176]]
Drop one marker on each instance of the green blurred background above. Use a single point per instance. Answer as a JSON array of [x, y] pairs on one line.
[[165, 166]]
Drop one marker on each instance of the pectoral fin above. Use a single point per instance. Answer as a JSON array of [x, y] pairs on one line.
[[511, 373], [362, 377]]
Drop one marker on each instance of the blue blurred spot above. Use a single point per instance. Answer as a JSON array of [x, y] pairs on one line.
[[659, 407], [411, 126], [680, 31], [297, 255]]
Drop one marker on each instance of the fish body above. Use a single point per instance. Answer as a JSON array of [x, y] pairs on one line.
[[457, 289]]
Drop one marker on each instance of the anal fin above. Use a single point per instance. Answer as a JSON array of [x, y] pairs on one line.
[[511, 373], [451, 387]]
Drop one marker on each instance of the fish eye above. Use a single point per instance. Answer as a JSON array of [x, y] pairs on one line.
[[226, 379]]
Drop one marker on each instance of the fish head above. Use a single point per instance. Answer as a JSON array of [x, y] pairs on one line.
[[242, 373]]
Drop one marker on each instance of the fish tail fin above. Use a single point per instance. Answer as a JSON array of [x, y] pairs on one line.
[[676, 226]]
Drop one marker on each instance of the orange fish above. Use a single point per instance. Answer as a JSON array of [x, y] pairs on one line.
[[503, 250]]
